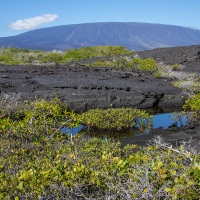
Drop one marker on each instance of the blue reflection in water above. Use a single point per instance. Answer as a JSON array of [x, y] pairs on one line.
[[71, 131], [168, 119], [159, 121]]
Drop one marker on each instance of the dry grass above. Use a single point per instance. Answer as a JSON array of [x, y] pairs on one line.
[[190, 83]]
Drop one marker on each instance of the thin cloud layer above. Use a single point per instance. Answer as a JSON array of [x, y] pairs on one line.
[[32, 23]]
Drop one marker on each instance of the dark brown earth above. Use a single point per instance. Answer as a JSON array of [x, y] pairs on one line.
[[85, 88]]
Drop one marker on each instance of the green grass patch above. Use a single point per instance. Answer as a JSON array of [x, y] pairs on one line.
[[123, 62], [110, 56], [15, 56]]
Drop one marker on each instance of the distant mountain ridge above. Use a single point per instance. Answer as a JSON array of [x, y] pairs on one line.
[[136, 36]]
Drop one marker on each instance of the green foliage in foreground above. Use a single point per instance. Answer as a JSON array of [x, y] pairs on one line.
[[117, 118], [14, 56], [62, 168], [38, 162], [33, 118]]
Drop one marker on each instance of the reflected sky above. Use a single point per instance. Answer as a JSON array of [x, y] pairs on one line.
[[159, 121], [168, 119]]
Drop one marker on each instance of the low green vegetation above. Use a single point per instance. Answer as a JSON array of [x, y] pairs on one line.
[[35, 120], [55, 114], [117, 118], [193, 103], [127, 62], [37, 161], [14, 56], [110, 56]]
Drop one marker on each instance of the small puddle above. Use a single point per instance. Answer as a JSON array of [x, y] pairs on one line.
[[169, 119], [163, 121], [71, 131]]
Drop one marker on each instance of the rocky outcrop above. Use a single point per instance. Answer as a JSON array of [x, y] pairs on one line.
[[85, 88]]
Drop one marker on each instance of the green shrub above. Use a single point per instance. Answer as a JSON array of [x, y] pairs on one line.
[[116, 118], [14, 56], [52, 58], [36, 162], [120, 62], [193, 103], [8, 60], [148, 64], [97, 51], [123, 62], [39, 116]]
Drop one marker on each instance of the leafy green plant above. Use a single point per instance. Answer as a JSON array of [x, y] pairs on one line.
[[117, 57], [38, 162], [8, 59], [123, 62], [116, 118], [14, 56], [193, 103], [51, 58], [97, 51], [147, 64], [39, 116]]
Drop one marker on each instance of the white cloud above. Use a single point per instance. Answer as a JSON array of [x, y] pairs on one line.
[[32, 23]]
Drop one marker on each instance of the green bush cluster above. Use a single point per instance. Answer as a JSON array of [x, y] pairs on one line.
[[14, 56], [193, 103], [6, 56], [148, 64], [117, 118], [122, 62], [94, 169], [116, 56], [39, 116], [38, 162], [97, 51]]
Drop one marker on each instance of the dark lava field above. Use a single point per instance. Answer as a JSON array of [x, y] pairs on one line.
[[84, 88]]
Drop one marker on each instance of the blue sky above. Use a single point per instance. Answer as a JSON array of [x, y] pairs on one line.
[[18, 16]]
